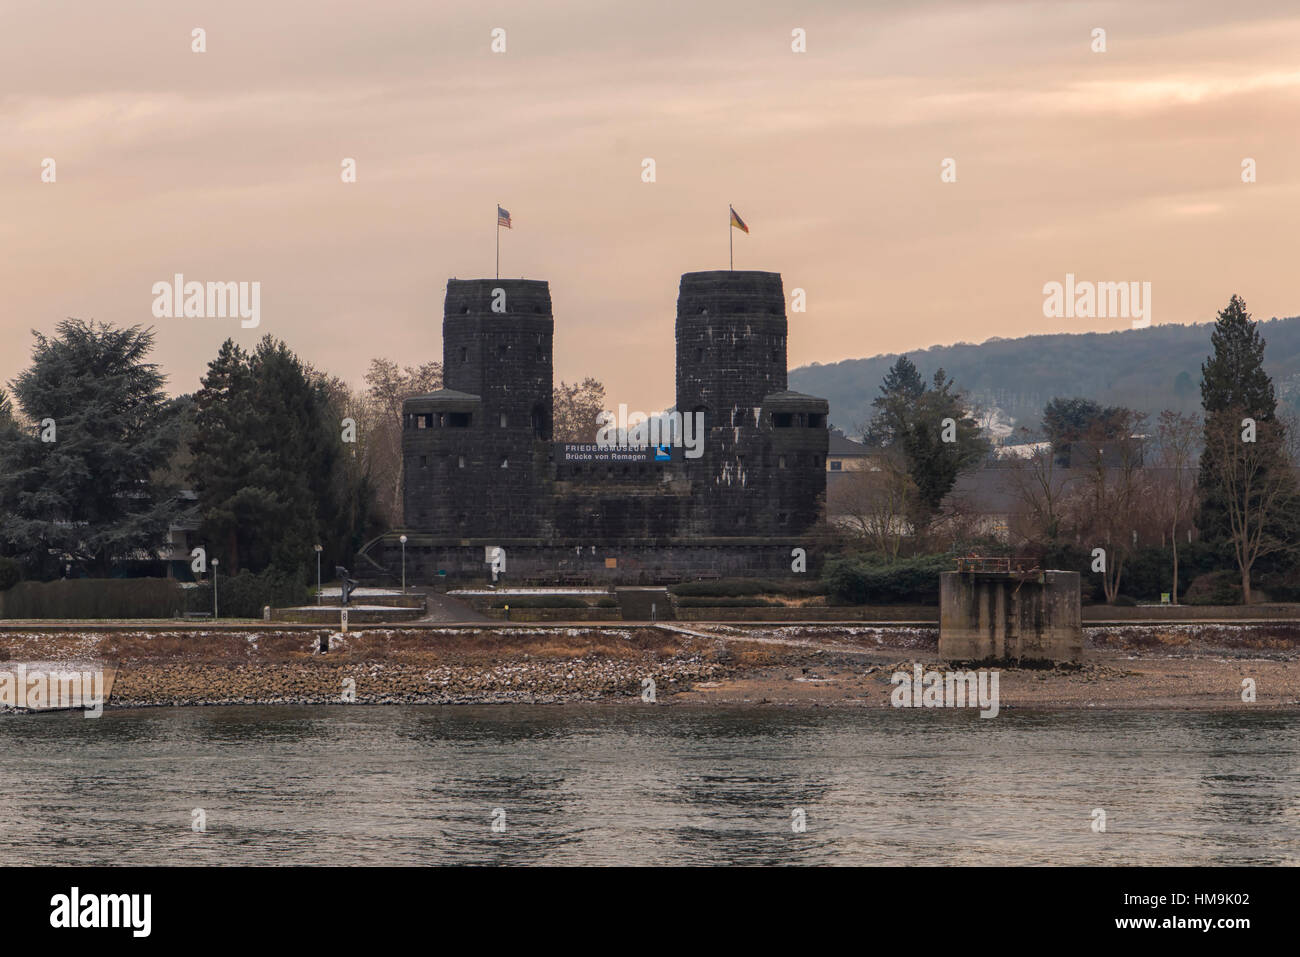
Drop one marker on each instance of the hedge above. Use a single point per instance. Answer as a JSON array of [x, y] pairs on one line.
[[707, 602], [246, 594], [94, 598], [741, 587], [10, 573], [868, 580]]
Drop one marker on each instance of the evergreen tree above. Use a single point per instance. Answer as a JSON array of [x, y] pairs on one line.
[[268, 464], [1234, 377], [1234, 386], [222, 454], [1066, 421], [900, 391], [80, 484], [1248, 492], [929, 425]]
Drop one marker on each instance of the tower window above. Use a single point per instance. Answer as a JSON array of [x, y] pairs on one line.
[[503, 420], [460, 461], [780, 462], [424, 461], [505, 463], [464, 354], [699, 355]]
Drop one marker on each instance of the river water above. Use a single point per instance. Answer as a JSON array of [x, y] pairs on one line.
[[622, 784]]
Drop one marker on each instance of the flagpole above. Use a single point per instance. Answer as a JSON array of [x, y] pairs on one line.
[[498, 242], [731, 242]]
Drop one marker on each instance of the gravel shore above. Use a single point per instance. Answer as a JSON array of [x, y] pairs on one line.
[[1158, 666]]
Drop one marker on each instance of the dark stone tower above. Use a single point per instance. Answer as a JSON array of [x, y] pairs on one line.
[[730, 343], [762, 471], [475, 451]]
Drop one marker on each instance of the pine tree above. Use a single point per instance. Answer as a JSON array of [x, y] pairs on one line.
[[221, 454], [1247, 493], [911, 418], [1234, 386], [80, 485], [900, 391], [268, 464], [1233, 377]]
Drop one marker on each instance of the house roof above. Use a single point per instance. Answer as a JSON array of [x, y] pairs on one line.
[[787, 398], [841, 445], [443, 397]]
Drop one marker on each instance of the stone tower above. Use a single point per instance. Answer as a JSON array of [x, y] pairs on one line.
[[763, 467], [475, 450]]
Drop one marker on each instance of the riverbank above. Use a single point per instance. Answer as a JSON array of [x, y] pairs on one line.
[[1161, 666]]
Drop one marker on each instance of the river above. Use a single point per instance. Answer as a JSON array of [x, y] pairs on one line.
[[622, 784]]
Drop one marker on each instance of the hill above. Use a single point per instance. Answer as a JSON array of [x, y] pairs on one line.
[[1146, 369]]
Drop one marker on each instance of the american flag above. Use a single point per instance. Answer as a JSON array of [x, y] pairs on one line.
[[503, 218]]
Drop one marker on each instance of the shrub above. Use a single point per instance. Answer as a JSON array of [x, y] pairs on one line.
[[713, 602], [246, 594], [909, 581], [1215, 588], [742, 587], [10, 573], [74, 598]]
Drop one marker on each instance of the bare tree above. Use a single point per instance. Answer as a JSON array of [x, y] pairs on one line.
[[1112, 502], [874, 503], [387, 387], [1174, 489], [575, 409], [1043, 489], [1252, 469]]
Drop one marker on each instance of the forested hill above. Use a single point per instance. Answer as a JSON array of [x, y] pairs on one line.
[[1146, 369]]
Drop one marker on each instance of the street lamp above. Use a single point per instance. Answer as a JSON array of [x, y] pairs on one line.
[[318, 551], [215, 563], [403, 541]]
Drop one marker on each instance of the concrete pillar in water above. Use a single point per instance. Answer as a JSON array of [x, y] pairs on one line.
[[1003, 616]]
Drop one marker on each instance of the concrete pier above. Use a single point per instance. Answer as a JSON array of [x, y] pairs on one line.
[[1010, 616]]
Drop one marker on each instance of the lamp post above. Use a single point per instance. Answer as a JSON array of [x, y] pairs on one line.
[[215, 563], [403, 541], [318, 551]]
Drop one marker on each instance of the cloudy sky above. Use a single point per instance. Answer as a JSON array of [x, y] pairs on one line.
[[225, 165]]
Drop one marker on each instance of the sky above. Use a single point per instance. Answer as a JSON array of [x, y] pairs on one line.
[[1117, 166]]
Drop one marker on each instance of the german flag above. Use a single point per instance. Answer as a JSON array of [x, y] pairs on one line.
[[736, 221]]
